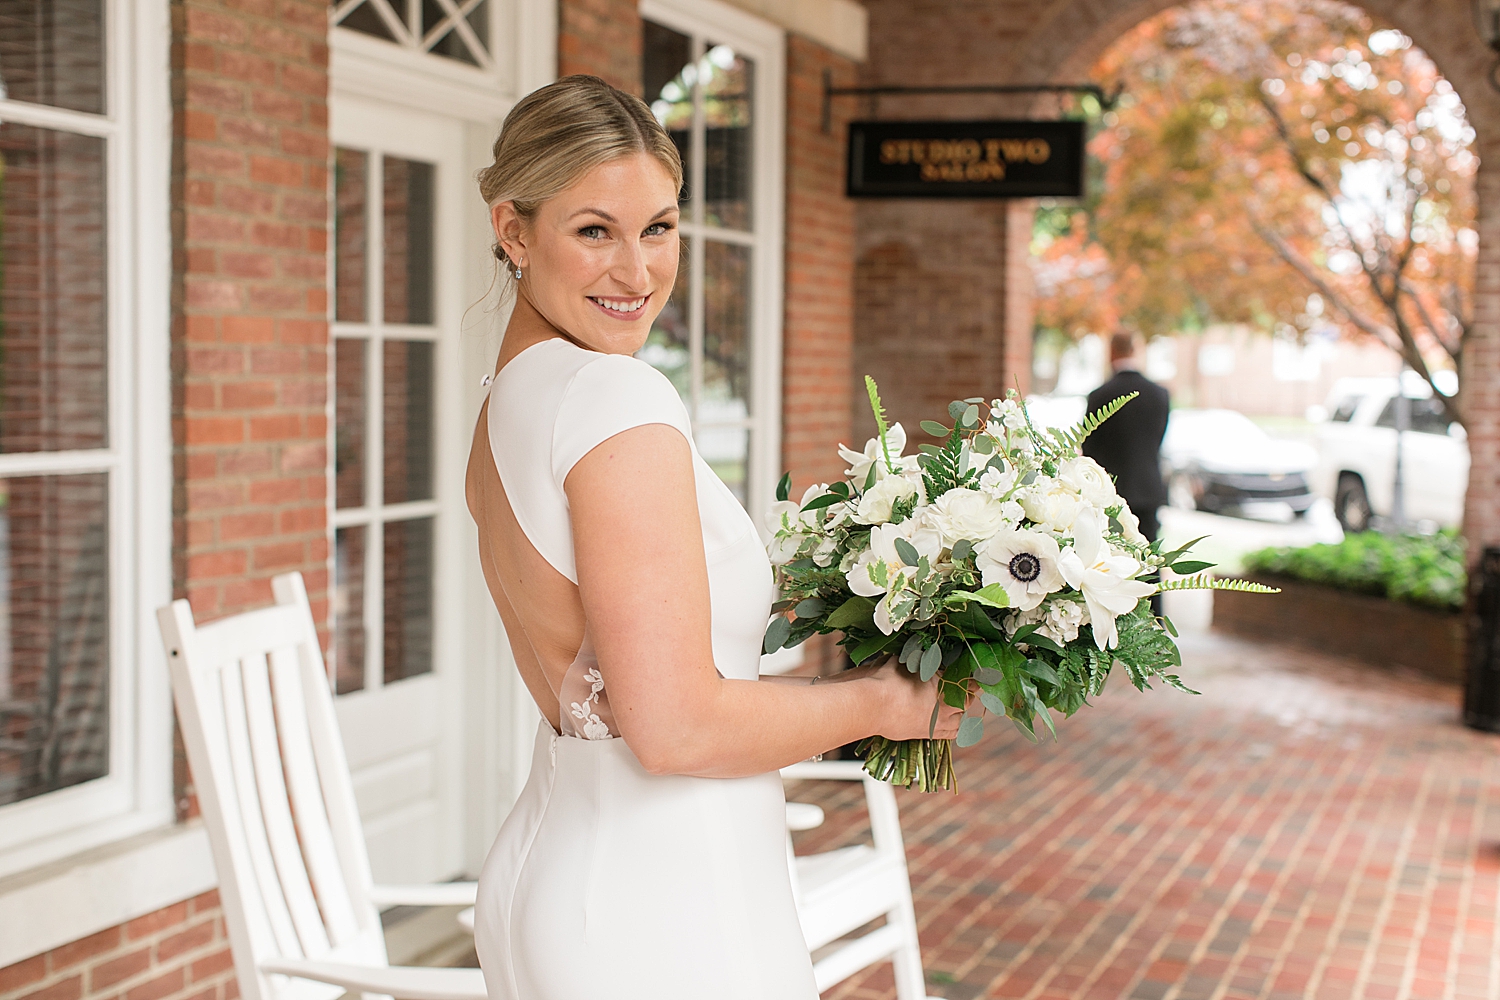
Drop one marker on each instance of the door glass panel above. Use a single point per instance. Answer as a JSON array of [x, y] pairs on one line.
[[407, 405], [726, 332], [54, 633], [668, 73], [452, 44], [349, 422], [728, 113], [727, 452], [349, 609], [407, 202], [52, 52], [668, 347], [53, 343], [366, 20], [408, 598], [350, 241]]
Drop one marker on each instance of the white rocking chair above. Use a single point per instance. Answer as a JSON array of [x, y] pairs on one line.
[[257, 719], [842, 890]]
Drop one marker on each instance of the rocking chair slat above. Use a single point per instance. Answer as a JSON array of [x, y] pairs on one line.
[[263, 868], [307, 799], [286, 852]]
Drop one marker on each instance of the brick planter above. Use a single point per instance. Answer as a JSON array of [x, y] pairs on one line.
[[1380, 632]]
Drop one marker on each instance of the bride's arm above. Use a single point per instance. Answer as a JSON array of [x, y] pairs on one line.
[[638, 547]]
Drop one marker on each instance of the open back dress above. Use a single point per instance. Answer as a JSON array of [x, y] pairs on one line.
[[606, 880]]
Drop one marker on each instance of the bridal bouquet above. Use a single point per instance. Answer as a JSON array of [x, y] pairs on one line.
[[1002, 562]]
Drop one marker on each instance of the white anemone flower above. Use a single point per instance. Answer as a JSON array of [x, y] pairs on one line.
[[922, 536], [860, 462], [1024, 562], [1103, 576]]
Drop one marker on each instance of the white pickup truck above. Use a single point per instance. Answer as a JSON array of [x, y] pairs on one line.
[[1356, 468]]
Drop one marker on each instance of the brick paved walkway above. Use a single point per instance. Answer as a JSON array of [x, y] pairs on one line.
[[1306, 828]]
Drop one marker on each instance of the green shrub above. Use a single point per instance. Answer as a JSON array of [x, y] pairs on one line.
[[1418, 569]]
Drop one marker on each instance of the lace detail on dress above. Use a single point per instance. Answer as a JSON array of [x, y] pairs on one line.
[[585, 705]]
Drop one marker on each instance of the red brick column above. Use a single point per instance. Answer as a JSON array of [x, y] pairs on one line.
[[601, 38], [250, 309], [818, 373], [818, 325]]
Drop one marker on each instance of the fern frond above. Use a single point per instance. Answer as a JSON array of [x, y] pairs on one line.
[[1072, 439], [880, 424], [1206, 581]]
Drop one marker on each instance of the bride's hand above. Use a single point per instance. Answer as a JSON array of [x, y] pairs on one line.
[[908, 706]]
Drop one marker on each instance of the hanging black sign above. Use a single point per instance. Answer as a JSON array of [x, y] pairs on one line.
[[943, 159]]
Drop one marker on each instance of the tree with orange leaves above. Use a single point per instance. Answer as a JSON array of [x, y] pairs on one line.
[[1281, 163]]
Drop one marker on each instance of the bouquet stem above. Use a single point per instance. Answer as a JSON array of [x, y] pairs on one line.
[[926, 765]]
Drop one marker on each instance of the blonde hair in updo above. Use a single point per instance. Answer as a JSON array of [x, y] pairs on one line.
[[555, 135]]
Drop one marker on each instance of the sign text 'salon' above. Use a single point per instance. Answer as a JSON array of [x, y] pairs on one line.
[[985, 159]]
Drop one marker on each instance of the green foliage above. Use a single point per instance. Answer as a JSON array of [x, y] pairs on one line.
[[1417, 569], [1070, 440], [880, 421], [1203, 581]]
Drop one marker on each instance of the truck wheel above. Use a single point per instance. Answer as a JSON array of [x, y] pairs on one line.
[[1351, 504]]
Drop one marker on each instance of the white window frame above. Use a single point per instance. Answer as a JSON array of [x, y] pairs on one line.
[[766, 45], [136, 794]]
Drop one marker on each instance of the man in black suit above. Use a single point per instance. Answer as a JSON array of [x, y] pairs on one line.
[[1128, 444]]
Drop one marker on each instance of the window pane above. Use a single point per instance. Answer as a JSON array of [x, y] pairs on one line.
[[407, 404], [726, 332], [366, 20], [452, 43], [727, 452], [668, 73], [408, 240], [668, 346], [52, 52], [54, 633], [349, 609], [349, 422], [350, 242], [728, 117], [53, 343], [408, 598]]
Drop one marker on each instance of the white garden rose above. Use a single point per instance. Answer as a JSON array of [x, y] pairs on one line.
[[1051, 503], [875, 505], [1024, 563], [922, 536], [1090, 480], [964, 513], [1104, 576]]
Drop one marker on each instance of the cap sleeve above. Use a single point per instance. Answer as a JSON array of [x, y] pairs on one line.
[[611, 394]]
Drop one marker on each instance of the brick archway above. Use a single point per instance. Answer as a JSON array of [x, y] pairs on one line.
[[1000, 41]]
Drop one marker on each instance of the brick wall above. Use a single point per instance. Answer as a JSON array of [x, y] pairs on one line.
[[601, 38], [178, 952], [818, 324]]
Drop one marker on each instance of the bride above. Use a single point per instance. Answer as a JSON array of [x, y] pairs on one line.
[[646, 856]]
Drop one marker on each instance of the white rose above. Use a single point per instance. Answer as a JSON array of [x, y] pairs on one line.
[[1024, 563], [1051, 504], [964, 513], [875, 505], [1089, 478]]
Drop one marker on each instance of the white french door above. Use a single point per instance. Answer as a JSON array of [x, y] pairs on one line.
[[397, 300]]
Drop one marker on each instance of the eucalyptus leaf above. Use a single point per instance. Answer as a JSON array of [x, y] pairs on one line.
[[908, 552], [970, 731], [934, 428], [956, 409], [777, 633], [784, 488], [912, 651], [988, 675], [932, 659], [962, 549], [928, 450], [971, 416], [991, 703], [810, 608]]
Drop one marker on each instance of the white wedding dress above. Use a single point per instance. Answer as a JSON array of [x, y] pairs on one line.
[[605, 880]]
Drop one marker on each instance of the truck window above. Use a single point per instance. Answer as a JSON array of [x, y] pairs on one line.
[[1344, 412], [1425, 416]]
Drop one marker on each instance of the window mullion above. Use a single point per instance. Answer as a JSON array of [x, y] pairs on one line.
[[374, 426]]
